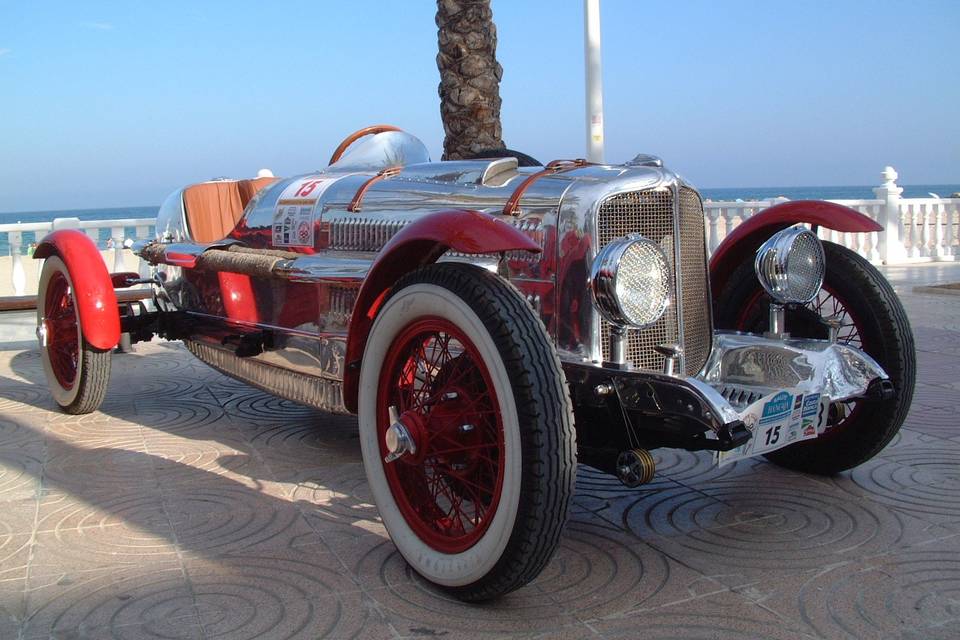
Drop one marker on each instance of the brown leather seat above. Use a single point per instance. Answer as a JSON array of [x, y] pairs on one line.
[[250, 188], [213, 209]]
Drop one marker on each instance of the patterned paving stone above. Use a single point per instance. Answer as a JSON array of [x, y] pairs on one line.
[[297, 593], [920, 480], [724, 616], [943, 422], [111, 604], [193, 506], [910, 593]]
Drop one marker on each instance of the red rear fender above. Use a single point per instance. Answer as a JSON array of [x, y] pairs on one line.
[[743, 242], [417, 245], [92, 288]]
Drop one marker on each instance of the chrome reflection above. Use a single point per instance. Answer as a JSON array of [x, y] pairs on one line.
[[761, 365], [388, 149]]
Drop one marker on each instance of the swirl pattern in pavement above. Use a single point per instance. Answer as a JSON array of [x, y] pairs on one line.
[[195, 506]]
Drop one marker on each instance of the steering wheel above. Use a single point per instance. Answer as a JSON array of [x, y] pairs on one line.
[[356, 135]]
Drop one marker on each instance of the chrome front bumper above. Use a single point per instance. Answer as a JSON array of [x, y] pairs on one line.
[[746, 367], [747, 382]]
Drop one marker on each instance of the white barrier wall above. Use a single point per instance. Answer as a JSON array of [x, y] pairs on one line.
[[20, 274], [915, 230]]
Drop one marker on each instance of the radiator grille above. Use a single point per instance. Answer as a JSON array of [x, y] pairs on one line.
[[650, 213]]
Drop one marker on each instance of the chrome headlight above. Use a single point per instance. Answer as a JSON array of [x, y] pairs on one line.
[[631, 281], [790, 265]]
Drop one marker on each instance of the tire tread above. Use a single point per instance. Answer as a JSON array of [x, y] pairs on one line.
[[545, 415]]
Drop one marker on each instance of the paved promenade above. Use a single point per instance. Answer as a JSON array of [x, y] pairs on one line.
[[193, 506]]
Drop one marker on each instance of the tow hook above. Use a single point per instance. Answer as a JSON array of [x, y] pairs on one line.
[[879, 389]]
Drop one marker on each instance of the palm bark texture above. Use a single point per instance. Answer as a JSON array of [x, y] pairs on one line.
[[469, 78]]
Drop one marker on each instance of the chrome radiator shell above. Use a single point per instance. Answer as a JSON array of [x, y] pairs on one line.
[[662, 215]]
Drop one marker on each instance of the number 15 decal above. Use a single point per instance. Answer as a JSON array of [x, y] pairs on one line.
[[773, 435], [307, 188]]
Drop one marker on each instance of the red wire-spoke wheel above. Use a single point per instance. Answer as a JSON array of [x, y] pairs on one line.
[[466, 430], [872, 319], [448, 487], [76, 373], [62, 330]]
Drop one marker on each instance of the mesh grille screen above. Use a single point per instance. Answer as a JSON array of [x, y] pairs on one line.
[[650, 213], [697, 330]]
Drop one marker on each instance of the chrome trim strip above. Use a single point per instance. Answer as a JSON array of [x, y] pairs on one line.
[[678, 275], [323, 268]]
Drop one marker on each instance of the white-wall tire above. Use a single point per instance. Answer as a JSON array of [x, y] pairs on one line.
[[77, 373], [538, 465]]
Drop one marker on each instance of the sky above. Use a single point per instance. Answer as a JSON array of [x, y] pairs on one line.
[[110, 104]]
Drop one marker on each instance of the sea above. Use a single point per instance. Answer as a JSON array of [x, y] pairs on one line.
[[721, 193]]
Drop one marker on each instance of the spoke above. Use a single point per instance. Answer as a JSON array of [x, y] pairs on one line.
[[464, 448]]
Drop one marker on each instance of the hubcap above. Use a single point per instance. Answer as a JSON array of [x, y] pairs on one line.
[[398, 438]]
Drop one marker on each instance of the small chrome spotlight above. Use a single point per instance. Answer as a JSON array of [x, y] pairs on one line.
[[790, 266]]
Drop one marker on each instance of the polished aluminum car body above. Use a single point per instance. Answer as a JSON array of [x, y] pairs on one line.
[[298, 315]]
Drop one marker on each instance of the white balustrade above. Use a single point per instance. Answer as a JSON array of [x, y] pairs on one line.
[[23, 276]]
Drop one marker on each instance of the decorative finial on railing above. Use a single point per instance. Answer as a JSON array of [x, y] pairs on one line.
[[890, 176]]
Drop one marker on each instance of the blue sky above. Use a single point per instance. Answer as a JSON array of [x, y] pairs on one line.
[[118, 103]]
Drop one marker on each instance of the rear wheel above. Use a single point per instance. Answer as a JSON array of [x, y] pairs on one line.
[[76, 372], [871, 319], [466, 430]]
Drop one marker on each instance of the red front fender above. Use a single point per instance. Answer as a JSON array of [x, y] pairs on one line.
[[747, 238], [417, 245], [92, 288]]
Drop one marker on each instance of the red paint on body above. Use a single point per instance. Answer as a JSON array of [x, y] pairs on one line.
[[92, 288]]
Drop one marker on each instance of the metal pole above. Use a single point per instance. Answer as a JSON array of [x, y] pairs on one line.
[[594, 78]]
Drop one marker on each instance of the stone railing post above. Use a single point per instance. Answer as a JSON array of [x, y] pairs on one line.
[[18, 275], [116, 234], [891, 244]]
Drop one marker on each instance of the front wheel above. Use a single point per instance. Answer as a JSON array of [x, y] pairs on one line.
[[872, 320], [77, 373], [467, 431]]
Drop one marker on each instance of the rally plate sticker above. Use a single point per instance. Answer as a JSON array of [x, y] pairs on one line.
[[295, 214], [779, 420]]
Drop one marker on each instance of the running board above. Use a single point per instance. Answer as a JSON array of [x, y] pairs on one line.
[[319, 393]]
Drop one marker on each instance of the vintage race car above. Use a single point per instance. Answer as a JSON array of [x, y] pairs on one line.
[[493, 324]]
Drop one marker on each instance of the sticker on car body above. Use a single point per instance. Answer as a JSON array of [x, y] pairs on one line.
[[779, 420], [295, 215]]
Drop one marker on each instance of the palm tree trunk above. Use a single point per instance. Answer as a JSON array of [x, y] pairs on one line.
[[469, 78]]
